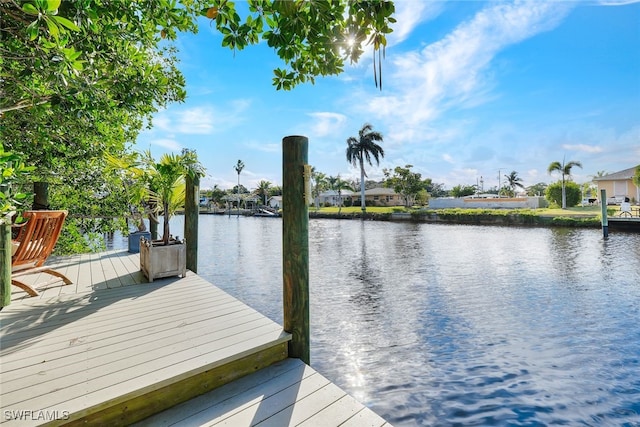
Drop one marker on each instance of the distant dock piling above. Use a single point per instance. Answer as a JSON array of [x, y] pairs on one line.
[[603, 207]]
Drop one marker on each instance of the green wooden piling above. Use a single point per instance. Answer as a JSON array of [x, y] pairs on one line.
[[5, 262], [295, 246], [191, 214], [603, 207]]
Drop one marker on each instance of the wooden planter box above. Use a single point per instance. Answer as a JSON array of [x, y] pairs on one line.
[[158, 260]]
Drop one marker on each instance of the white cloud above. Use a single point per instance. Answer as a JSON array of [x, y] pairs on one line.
[[582, 147], [201, 120], [409, 14], [455, 71], [447, 158], [617, 2], [170, 144], [326, 123]]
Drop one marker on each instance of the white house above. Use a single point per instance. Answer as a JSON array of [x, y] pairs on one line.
[[275, 202], [332, 197]]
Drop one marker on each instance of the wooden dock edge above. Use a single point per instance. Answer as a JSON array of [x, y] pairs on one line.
[[129, 409]]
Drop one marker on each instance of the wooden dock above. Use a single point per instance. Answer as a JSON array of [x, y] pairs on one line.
[[625, 222], [112, 349]]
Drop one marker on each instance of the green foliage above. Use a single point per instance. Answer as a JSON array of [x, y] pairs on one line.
[[538, 189], [81, 78], [573, 193], [422, 198], [463, 190], [565, 170], [404, 182], [12, 170], [636, 177], [166, 182], [564, 221]]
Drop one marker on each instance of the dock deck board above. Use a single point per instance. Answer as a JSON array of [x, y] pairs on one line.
[[111, 336], [288, 393]]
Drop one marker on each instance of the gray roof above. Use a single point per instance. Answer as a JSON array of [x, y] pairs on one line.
[[625, 174], [331, 193], [379, 191]]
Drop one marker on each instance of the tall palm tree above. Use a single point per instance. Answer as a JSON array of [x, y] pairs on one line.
[[263, 190], [565, 170], [338, 184], [513, 181], [362, 148], [238, 167]]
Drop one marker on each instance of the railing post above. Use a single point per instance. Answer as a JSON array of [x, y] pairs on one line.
[[603, 208], [295, 245], [191, 215]]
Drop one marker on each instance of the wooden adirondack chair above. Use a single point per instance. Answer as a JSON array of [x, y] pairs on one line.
[[33, 245]]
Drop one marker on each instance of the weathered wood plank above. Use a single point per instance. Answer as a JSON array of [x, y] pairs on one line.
[[336, 413], [57, 365], [287, 393], [309, 400], [100, 325], [37, 317], [136, 409], [365, 418], [204, 408]]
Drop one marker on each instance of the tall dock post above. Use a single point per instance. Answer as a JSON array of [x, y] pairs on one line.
[[295, 245], [5, 255], [5, 261], [603, 208], [191, 215]]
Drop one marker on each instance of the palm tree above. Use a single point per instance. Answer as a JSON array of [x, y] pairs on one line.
[[565, 170], [263, 190], [363, 148], [238, 167], [338, 184], [320, 181], [513, 181]]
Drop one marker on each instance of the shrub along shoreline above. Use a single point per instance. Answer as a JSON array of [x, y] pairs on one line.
[[502, 217]]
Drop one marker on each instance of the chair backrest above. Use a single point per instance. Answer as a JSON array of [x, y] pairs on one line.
[[37, 238]]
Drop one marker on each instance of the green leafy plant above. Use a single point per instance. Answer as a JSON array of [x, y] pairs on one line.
[[565, 194], [166, 183], [12, 169]]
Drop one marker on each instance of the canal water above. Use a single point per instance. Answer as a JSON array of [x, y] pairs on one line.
[[445, 325]]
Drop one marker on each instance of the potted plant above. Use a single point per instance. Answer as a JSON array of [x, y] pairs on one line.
[[166, 186], [133, 176]]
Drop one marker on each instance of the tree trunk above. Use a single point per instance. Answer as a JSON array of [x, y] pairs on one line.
[[165, 229], [40, 196], [363, 203]]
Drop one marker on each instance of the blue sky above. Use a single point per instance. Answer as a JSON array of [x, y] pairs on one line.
[[471, 89]]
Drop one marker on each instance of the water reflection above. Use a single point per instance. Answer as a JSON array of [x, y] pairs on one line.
[[365, 271]]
